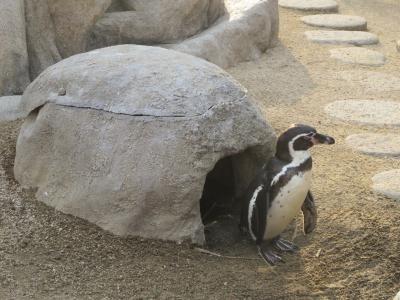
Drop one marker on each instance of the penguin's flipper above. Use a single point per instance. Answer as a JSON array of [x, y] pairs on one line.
[[258, 209], [259, 223], [256, 191], [309, 213]]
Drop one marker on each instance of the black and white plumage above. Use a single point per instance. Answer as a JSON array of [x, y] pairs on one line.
[[281, 190]]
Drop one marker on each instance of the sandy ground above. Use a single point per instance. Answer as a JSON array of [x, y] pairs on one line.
[[353, 254]]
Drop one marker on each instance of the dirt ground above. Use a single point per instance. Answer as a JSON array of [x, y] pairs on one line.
[[353, 254]]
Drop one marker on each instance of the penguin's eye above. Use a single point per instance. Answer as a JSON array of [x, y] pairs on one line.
[[309, 136]]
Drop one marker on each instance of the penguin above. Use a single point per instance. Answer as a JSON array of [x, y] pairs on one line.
[[280, 190]]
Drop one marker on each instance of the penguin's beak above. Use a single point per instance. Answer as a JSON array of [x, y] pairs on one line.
[[322, 139]]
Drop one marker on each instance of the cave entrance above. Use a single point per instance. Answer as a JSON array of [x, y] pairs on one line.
[[218, 196], [221, 202]]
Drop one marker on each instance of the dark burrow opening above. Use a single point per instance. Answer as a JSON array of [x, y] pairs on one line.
[[218, 196], [221, 201], [220, 206]]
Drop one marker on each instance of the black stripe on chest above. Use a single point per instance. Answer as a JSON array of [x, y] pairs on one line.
[[287, 176]]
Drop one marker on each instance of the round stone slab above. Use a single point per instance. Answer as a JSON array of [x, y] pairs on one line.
[[310, 5], [357, 55], [387, 183], [371, 81], [397, 297], [10, 108], [342, 37], [336, 21], [375, 144], [368, 112], [398, 49]]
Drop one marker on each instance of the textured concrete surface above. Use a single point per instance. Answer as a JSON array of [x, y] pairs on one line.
[[310, 5], [357, 55], [375, 144], [368, 112], [370, 80], [10, 108], [387, 183], [342, 37], [336, 21]]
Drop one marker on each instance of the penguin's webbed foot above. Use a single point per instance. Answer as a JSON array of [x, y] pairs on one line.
[[269, 256], [285, 245]]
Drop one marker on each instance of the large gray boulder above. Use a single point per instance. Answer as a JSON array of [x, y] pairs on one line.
[[14, 76], [125, 137]]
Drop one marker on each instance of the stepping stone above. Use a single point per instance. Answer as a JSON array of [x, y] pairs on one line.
[[398, 49], [357, 55], [397, 297], [387, 183], [375, 144], [342, 37], [10, 108], [371, 81], [367, 112], [310, 5], [335, 21]]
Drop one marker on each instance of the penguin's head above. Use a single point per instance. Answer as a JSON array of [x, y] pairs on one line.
[[297, 139]]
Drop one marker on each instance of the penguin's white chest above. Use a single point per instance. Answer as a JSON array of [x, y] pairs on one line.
[[287, 204]]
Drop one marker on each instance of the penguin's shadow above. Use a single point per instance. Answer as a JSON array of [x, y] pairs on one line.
[[224, 237], [276, 78]]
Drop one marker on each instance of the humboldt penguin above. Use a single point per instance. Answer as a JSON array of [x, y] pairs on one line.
[[281, 189]]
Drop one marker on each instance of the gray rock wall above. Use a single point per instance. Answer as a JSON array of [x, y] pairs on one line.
[[13, 54], [57, 29], [40, 36], [224, 32], [73, 19], [251, 28], [152, 22]]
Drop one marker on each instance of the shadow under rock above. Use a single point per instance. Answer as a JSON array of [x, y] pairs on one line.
[[276, 78]]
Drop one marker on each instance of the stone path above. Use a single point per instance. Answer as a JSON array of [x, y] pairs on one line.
[[387, 183], [336, 21], [310, 5], [10, 108], [357, 55], [375, 112], [366, 112], [349, 30], [357, 38], [371, 81], [384, 145]]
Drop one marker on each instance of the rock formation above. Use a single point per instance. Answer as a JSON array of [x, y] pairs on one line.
[[125, 136]]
